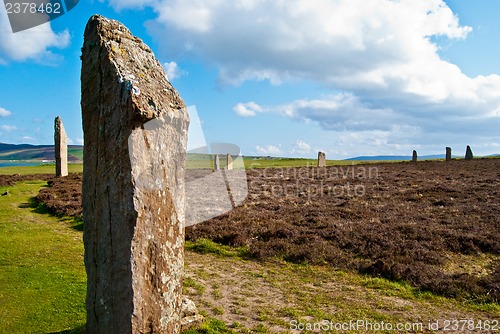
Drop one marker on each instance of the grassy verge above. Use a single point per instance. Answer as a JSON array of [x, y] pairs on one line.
[[42, 169], [42, 278], [205, 246]]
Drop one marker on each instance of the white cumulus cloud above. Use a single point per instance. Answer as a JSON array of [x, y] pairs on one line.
[[4, 112], [268, 150], [381, 54], [346, 114], [172, 70], [34, 43], [339, 112], [247, 109], [8, 128], [378, 49], [300, 147], [331, 41]]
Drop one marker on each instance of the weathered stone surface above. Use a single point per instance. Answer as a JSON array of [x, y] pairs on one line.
[[414, 157], [135, 131], [448, 154], [216, 162], [321, 159], [61, 148], [229, 162], [468, 153]]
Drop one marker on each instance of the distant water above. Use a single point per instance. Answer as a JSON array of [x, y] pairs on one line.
[[19, 163]]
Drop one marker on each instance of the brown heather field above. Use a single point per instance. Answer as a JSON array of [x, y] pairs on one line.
[[433, 224]]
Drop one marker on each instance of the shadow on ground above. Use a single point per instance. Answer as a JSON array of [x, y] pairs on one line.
[[36, 207], [78, 330]]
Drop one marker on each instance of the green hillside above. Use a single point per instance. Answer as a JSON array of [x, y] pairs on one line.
[[26, 152]]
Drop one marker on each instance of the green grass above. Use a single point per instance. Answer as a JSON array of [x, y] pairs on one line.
[[42, 276], [42, 169], [191, 163], [211, 326], [205, 246], [191, 284], [76, 152]]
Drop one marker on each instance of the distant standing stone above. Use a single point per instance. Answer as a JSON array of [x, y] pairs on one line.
[[321, 159], [135, 130], [468, 153], [61, 148], [448, 154], [229, 160], [216, 162], [414, 157]]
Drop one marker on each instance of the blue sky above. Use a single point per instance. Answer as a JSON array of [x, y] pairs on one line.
[[284, 78]]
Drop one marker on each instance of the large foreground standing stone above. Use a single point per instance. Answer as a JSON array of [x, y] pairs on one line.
[[60, 148], [448, 154], [321, 159], [468, 153], [414, 157], [135, 132]]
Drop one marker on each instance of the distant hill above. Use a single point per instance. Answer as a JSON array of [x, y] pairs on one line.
[[37, 152]]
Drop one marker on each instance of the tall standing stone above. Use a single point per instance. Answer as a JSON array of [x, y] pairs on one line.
[[321, 159], [448, 154], [468, 153], [61, 148], [135, 131], [414, 158], [216, 162], [229, 162]]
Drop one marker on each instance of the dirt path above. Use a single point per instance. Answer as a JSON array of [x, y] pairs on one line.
[[266, 297]]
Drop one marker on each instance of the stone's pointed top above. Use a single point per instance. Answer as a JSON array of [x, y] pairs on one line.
[[58, 122], [131, 63], [97, 17], [112, 29]]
